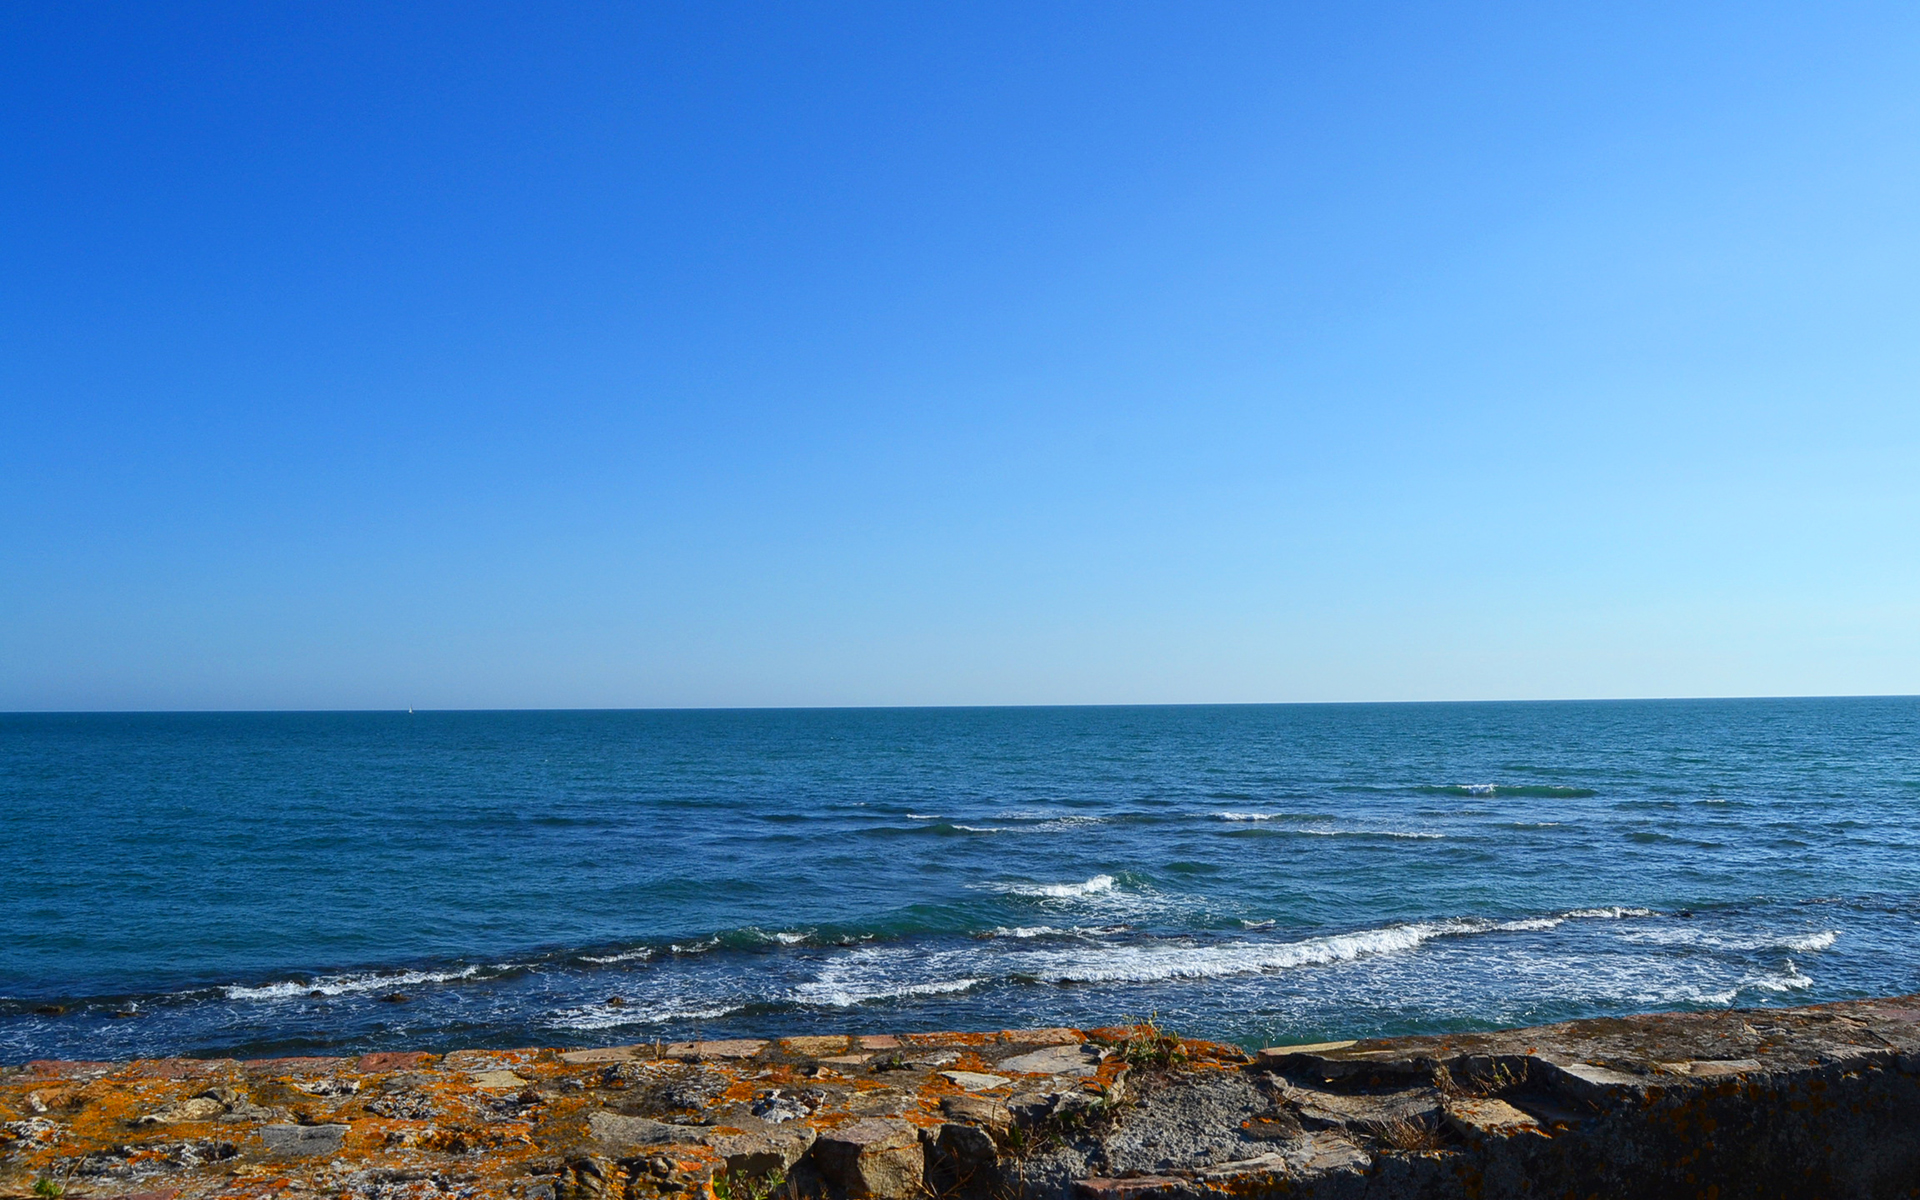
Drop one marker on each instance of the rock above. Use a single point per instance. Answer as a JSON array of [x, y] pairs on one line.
[[302, 1141], [393, 1060], [619, 1132], [199, 1108], [1051, 1036], [759, 1153], [729, 1049], [985, 1111], [496, 1080], [974, 1081], [608, 1054], [778, 1107], [1276, 1055], [961, 1160], [1055, 1060], [1489, 1117], [588, 1177], [872, 1159], [816, 1047], [1367, 1110]]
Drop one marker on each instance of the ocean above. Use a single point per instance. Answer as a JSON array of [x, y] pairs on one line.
[[280, 883]]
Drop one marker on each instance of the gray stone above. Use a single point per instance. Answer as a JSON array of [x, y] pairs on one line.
[[1054, 1060], [302, 1141], [618, 1131], [763, 1151], [872, 1159], [974, 1081]]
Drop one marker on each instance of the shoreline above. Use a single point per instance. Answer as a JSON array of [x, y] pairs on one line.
[[1820, 1100]]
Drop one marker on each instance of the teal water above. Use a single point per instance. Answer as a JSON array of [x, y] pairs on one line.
[[260, 883]]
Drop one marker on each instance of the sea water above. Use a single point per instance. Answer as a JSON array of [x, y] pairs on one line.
[[258, 884]]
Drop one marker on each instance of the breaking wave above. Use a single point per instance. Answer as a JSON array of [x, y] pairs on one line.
[[345, 985]]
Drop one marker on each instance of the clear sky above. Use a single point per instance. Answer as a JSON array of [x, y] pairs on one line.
[[632, 354]]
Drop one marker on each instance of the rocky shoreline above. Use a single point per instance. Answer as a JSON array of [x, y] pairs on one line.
[[1805, 1102]]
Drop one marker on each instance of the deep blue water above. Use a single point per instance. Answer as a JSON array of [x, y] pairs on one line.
[[256, 883]]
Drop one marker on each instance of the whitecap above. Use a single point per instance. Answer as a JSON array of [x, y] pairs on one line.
[[1789, 980], [1612, 913], [608, 1016], [1158, 961], [1058, 891], [836, 994], [627, 956], [343, 985]]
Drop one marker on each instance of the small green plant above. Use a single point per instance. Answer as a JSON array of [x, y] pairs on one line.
[[1149, 1045], [45, 1186], [738, 1185]]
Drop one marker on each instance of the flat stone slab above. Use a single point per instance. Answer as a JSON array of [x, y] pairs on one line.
[[974, 1081], [302, 1141], [1055, 1060]]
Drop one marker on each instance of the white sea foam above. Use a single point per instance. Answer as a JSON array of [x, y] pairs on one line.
[[345, 985], [980, 828], [922, 817], [625, 956], [608, 1016], [885, 973], [1789, 980], [1532, 924], [1613, 913], [1153, 962], [1058, 891], [1419, 835], [1685, 936]]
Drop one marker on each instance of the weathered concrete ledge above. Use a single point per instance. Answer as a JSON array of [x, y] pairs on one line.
[[1807, 1102]]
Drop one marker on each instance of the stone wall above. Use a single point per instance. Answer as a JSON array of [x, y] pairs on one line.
[[1808, 1102]]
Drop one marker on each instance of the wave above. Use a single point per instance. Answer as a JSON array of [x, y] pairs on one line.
[[347, 985], [1156, 962], [1789, 980], [1611, 913], [1539, 791], [867, 976], [1802, 943], [1057, 891], [609, 1016], [639, 955], [1244, 817]]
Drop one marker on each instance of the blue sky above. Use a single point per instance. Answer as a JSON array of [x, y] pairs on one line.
[[635, 354]]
